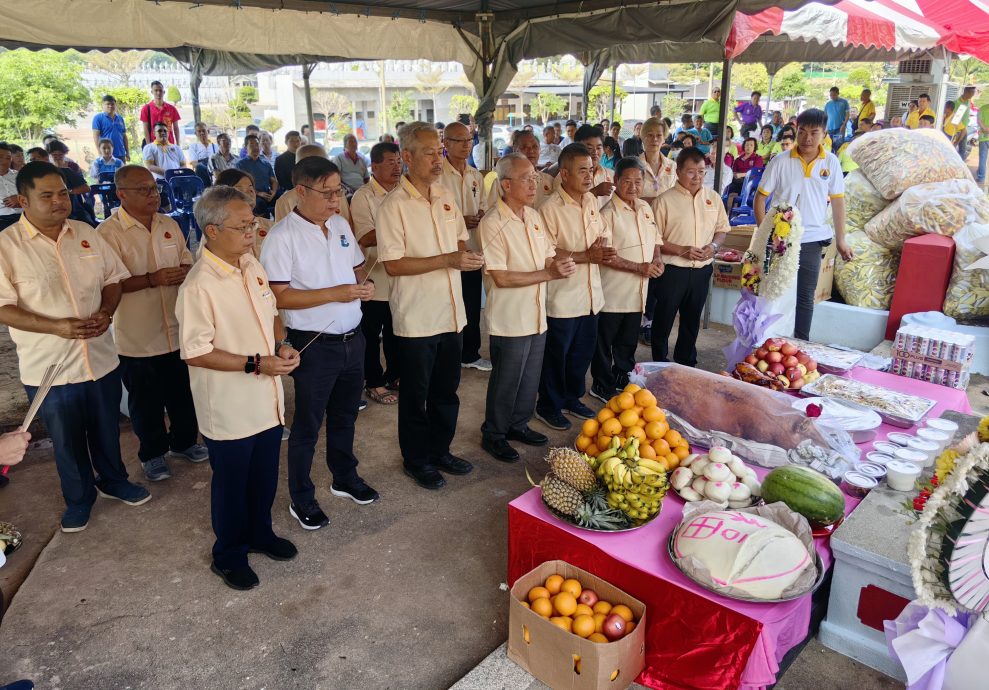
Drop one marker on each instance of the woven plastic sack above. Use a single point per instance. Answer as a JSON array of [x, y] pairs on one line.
[[968, 291], [894, 160], [869, 278], [862, 200], [941, 208]]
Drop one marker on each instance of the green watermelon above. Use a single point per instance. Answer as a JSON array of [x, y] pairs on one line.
[[805, 491]]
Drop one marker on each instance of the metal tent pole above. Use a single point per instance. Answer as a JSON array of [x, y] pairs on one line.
[[307, 70], [719, 161]]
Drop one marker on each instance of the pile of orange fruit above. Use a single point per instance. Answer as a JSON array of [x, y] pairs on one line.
[[634, 412]]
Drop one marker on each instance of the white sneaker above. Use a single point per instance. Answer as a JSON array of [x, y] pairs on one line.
[[480, 364]]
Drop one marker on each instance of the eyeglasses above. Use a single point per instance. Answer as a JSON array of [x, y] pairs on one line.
[[327, 193], [143, 190], [458, 141], [526, 179], [247, 229]]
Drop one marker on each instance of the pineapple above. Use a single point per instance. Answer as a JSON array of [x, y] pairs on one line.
[[571, 467], [592, 513], [607, 519], [560, 496]]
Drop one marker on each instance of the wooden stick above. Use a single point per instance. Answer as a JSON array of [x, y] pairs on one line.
[[317, 335], [368, 274]]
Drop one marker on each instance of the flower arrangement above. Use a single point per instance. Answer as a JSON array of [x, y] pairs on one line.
[[769, 267]]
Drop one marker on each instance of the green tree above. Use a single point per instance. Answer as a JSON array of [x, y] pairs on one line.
[[861, 77], [789, 82], [129, 102], [248, 94], [546, 104], [38, 91], [673, 106], [400, 107], [969, 71], [462, 103], [172, 94], [751, 77], [239, 109], [599, 101], [271, 124]]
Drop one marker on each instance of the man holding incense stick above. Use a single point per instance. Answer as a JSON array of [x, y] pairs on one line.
[[59, 287], [152, 247], [318, 276]]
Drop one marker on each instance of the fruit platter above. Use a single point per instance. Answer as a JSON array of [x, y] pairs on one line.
[[899, 409], [634, 413], [717, 476], [616, 491], [567, 604], [778, 364]]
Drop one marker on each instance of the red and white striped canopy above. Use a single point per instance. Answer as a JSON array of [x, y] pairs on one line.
[[961, 26]]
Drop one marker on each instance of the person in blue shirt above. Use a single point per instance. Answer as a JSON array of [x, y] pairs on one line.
[[702, 135], [106, 163], [110, 125], [265, 183], [837, 110]]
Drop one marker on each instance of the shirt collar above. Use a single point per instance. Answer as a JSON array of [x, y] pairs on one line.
[[821, 153], [567, 199], [377, 188], [507, 213], [218, 264], [686, 192], [32, 231], [447, 166], [414, 193], [129, 221]]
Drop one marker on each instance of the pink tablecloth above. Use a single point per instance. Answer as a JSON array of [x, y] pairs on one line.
[[784, 625]]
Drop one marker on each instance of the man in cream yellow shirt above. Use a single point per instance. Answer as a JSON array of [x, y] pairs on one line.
[[234, 343], [466, 186], [577, 231], [525, 142], [519, 264], [422, 242], [693, 222], [152, 247], [59, 288]]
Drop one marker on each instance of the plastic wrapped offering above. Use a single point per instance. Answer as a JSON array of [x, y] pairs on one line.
[[968, 290], [869, 278], [941, 208], [862, 200]]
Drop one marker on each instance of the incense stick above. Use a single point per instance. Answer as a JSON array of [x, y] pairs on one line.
[[322, 332], [51, 373], [368, 274]]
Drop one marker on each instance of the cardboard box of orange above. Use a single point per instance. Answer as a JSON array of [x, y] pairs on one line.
[[551, 654]]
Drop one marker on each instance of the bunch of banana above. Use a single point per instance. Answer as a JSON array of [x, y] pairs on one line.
[[636, 486]]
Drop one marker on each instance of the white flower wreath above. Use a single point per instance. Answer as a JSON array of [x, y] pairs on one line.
[[770, 266]]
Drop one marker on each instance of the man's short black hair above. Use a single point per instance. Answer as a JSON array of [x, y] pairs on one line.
[[36, 150], [757, 93], [231, 176], [14, 148], [585, 132], [690, 154], [311, 170], [626, 164], [156, 83], [109, 99], [834, 89], [291, 133], [812, 117], [250, 127], [686, 119], [55, 146], [927, 118], [4, 146], [570, 152], [923, 95], [571, 122], [28, 176], [378, 151], [787, 137], [251, 137]]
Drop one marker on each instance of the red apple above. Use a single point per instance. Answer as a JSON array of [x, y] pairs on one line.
[[614, 627], [789, 349], [793, 373], [811, 365], [588, 597], [762, 365], [774, 357], [774, 344], [790, 361], [776, 369], [802, 357], [797, 385], [751, 359], [761, 353]]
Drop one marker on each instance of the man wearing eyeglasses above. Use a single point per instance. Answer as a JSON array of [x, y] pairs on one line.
[[318, 276], [693, 224], [466, 184], [152, 247], [160, 155]]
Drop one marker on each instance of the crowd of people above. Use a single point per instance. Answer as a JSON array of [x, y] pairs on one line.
[[581, 241]]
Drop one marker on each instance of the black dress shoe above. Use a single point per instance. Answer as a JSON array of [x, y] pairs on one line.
[[500, 450], [427, 476], [451, 464], [237, 578], [277, 550], [528, 437]]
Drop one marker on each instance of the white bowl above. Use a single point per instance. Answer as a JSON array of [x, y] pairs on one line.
[[901, 476], [899, 438], [941, 438], [885, 447], [928, 448], [871, 469], [942, 425], [877, 458], [912, 456]]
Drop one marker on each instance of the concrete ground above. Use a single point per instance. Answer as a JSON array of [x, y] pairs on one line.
[[404, 593]]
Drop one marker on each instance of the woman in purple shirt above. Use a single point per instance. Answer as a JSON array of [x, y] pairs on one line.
[[745, 162]]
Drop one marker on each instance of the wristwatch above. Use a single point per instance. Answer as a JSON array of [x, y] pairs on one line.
[[251, 365], [716, 247]]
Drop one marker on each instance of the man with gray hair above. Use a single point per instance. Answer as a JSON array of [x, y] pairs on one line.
[[234, 343], [525, 142], [422, 242], [352, 166], [519, 260]]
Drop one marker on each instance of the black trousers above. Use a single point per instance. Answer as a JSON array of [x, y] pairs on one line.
[[569, 350], [428, 406], [513, 384], [651, 293], [614, 355], [242, 490], [811, 254], [156, 385], [470, 283], [376, 324], [328, 385], [680, 291]]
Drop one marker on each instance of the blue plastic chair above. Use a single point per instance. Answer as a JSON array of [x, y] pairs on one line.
[[105, 177], [186, 190], [167, 204], [107, 192], [178, 172], [743, 211]]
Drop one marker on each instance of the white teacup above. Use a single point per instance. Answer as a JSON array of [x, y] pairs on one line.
[[901, 475]]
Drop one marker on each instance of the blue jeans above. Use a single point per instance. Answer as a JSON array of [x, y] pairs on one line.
[[570, 345], [245, 479], [980, 176], [84, 422]]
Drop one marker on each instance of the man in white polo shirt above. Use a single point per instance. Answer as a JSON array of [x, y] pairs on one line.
[[317, 273], [810, 177]]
